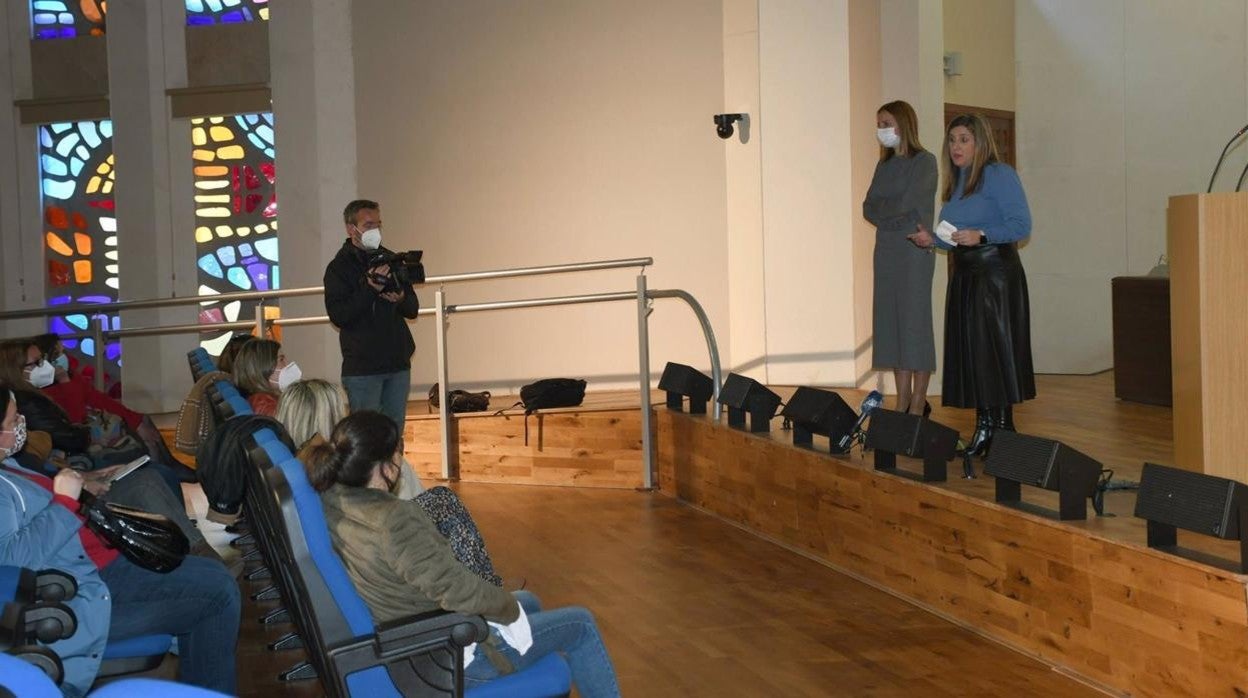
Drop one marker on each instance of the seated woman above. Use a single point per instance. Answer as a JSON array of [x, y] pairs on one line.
[[75, 395], [309, 409], [42, 414], [40, 528], [144, 488], [401, 565], [261, 373], [225, 362]]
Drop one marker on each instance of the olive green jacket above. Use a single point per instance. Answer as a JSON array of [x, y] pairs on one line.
[[400, 564]]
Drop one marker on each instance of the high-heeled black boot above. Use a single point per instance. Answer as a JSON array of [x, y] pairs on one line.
[[1005, 418], [984, 424]]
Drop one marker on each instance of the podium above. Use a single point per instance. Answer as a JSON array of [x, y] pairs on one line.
[[1207, 245]]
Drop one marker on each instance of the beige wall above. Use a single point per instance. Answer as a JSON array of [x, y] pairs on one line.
[[865, 96], [983, 32], [1120, 105], [747, 326], [505, 134], [808, 209]]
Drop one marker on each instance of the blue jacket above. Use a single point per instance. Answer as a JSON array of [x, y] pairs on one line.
[[39, 533], [998, 207]]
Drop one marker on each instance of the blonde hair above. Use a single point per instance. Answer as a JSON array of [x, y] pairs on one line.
[[907, 130], [310, 407], [254, 364], [985, 154]]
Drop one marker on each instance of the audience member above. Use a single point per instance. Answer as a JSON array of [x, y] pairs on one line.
[[401, 565], [309, 409], [41, 527]]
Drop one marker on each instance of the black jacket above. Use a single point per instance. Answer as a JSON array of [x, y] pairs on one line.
[[372, 332], [223, 461], [42, 414]]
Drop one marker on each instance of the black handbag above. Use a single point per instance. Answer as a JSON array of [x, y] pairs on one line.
[[148, 540], [461, 400], [548, 393]]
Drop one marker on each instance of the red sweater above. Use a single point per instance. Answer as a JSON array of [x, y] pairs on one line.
[[263, 404], [95, 547], [76, 395]]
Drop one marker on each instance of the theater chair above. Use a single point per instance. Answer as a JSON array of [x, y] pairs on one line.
[[24, 680], [28, 617], [417, 656], [201, 363], [29, 595]]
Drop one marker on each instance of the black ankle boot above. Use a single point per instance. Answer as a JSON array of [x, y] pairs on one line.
[[984, 424], [1005, 418]]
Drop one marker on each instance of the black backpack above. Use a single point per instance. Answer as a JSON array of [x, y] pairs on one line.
[[552, 392], [548, 393]]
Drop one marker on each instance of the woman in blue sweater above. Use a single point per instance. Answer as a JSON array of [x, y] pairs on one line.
[[987, 321]]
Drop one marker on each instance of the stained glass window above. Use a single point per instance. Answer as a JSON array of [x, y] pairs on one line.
[[226, 11], [58, 19], [80, 231], [235, 214]]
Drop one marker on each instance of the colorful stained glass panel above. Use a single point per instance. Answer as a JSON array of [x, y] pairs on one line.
[[235, 213], [80, 231], [62, 19], [199, 12]]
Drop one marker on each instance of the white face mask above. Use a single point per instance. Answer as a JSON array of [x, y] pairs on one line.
[[888, 137], [42, 375], [288, 375], [371, 238]]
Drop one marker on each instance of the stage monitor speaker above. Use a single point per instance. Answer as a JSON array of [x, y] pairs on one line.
[[1015, 458], [745, 395], [891, 433], [814, 411], [1170, 499], [680, 381]]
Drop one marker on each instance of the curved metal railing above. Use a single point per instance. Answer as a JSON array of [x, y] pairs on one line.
[[642, 296]]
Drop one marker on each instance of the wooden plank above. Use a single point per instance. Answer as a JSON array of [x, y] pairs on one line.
[[1111, 611]]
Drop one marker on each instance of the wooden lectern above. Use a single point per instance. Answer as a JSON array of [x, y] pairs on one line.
[[1207, 243]]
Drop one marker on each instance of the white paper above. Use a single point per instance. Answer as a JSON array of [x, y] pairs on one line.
[[518, 634], [945, 231]]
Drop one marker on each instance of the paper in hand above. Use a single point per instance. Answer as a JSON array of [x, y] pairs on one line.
[[945, 231]]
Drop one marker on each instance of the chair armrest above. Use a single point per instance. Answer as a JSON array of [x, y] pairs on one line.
[[399, 636], [418, 656]]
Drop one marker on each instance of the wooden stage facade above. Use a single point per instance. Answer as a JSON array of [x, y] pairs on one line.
[[1089, 598]]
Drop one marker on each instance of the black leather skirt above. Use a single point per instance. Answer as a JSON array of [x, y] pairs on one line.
[[987, 329]]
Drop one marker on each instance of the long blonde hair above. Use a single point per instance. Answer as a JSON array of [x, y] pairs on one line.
[[907, 130], [985, 154], [310, 407]]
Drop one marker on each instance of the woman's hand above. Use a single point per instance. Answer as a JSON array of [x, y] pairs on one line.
[[98, 482], [922, 237], [968, 237], [68, 482]]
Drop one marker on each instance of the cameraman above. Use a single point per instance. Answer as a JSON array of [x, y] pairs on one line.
[[372, 326]]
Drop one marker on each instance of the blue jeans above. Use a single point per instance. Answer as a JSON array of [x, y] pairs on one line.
[[384, 392], [570, 631], [198, 602]]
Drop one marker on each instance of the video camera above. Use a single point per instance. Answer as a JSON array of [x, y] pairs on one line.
[[405, 269]]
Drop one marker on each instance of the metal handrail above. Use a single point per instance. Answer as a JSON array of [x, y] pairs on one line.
[[642, 296], [118, 306]]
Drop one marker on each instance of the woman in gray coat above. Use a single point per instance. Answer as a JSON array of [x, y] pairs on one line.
[[899, 203]]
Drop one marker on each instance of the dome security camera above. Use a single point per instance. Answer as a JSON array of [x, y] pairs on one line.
[[723, 124]]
